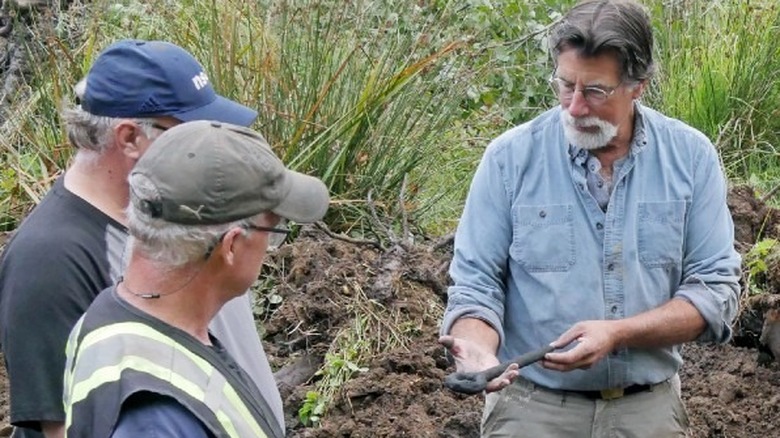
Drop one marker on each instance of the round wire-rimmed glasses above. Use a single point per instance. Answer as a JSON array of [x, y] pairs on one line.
[[594, 95]]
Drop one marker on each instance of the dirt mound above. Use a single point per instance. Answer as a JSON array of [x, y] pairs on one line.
[[400, 393], [753, 218], [330, 287]]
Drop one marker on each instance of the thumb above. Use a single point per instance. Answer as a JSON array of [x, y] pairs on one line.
[[447, 341]]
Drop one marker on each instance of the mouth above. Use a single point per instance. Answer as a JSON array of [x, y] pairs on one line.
[[587, 129]]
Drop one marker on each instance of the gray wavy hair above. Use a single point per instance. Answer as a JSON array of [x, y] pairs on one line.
[[596, 27], [89, 132], [165, 242]]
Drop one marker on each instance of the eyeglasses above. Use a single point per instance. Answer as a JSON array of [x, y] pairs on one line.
[[275, 239], [278, 234], [161, 127], [147, 124], [595, 96]]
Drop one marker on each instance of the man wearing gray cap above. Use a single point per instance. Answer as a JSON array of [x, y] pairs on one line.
[[204, 201], [134, 91]]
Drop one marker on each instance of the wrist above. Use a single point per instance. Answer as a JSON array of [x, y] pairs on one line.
[[621, 333], [477, 331]]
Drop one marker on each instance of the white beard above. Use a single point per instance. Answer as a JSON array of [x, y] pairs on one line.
[[587, 140]]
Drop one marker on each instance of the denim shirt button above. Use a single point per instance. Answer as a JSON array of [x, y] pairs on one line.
[[599, 226], [542, 214], [614, 309], [610, 267]]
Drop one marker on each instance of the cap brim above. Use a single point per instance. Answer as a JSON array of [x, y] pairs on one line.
[[306, 201], [220, 110]]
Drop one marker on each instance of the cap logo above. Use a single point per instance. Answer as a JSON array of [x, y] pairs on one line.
[[192, 212], [200, 80]]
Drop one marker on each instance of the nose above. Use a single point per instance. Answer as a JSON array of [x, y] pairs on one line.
[[578, 107]]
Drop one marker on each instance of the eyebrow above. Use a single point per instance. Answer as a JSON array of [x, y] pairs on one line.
[[596, 85]]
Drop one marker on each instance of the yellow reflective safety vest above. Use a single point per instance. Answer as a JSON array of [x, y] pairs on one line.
[[116, 350]]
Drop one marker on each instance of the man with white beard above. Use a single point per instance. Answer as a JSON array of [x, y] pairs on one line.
[[599, 228]]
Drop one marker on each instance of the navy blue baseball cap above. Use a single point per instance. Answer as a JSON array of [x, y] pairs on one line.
[[135, 78]]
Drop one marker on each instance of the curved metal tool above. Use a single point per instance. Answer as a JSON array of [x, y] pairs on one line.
[[476, 382]]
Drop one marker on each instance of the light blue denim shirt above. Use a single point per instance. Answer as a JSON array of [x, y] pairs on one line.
[[534, 252]]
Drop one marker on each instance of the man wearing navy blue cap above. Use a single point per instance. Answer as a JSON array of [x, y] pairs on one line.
[[71, 246], [154, 78]]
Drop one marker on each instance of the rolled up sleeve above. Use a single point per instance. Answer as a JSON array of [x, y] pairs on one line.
[[712, 266], [482, 242]]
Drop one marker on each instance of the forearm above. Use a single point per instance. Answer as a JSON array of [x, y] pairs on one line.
[[477, 331], [676, 322]]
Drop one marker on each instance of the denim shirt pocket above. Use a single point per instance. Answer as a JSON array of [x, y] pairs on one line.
[[660, 233], [543, 239]]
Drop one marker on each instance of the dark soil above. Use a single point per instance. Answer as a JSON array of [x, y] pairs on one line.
[[728, 394], [324, 286]]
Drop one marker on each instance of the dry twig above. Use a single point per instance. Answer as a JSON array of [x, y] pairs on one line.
[[338, 236]]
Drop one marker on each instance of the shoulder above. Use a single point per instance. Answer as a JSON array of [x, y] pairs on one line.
[[536, 135], [61, 210], [149, 414], [66, 235], [669, 129]]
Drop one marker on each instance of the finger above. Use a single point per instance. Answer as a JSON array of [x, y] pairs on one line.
[[562, 367], [555, 366], [505, 379], [497, 385], [447, 341], [565, 358], [575, 356], [512, 370], [451, 343], [567, 337]]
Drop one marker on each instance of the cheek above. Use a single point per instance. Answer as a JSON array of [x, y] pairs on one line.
[[143, 146], [256, 264], [604, 114], [615, 114]]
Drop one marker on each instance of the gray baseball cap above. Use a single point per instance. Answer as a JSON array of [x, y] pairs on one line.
[[209, 173]]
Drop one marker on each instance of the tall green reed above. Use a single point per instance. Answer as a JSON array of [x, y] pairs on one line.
[[719, 62], [359, 95]]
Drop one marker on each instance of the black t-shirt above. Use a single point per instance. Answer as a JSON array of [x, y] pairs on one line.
[[63, 254]]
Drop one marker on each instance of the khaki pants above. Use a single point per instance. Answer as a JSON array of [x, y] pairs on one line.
[[526, 410]]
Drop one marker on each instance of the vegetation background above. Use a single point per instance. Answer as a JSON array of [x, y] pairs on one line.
[[392, 102]]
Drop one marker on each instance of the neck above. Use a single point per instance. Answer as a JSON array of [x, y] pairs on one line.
[[619, 146], [183, 297], [608, 155], [101, 180]]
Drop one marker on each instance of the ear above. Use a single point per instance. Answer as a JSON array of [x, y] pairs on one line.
[[637, 92], [127, 135], [226, 250]]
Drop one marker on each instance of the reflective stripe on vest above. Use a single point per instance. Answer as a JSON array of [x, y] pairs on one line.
[[70, 354], [105, 352]]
